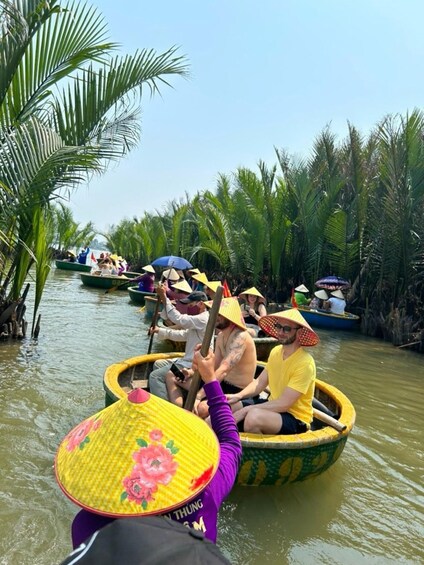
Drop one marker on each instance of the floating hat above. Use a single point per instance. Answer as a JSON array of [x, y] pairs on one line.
[[307, 336], [321, 294], [338, 294], [301, 288], [201, 277], [140, 456], [254, 292], [213, 285], [194, 270], [183, 286], [171, 274], [230, 309], [148, 269]]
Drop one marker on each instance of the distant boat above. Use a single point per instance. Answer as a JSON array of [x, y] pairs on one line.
[[266, 460], [72, 266], [107, 281], [138, 296], [323, 319]]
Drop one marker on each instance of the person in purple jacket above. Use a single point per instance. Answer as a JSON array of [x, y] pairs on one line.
[[201, 512]]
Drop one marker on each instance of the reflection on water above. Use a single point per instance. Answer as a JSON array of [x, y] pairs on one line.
[[367, 508]]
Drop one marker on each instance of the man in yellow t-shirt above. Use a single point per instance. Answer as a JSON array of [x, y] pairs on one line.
[[290, 375]]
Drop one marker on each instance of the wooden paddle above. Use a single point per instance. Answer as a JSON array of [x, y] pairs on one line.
[[113, 288], [323, 417], [210, 329], [153, 324]]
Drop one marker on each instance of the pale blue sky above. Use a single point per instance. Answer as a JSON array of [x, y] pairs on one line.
[[263, 74]]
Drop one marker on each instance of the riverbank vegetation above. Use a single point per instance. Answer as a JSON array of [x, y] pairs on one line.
[[353, 208], [68, 106]]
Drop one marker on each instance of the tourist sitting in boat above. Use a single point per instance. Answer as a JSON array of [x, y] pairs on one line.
[[146, 283], [191, 281], [191, 330], [235, 355], [317, 302], [83, 254], [122, 265], [336, 304], [71, 257], [178, 291], [211, 288], [138, 438], [253, 308], [290, 375], [300, 293]]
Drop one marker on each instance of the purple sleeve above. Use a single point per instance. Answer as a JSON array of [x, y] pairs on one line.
[[225, 427]]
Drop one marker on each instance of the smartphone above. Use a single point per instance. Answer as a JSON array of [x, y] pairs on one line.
[[177, 372]]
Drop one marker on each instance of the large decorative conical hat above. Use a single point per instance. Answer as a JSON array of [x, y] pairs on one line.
[[183, 286], [301, 288], [148, 269], [254, 292], [213, 285], [201, 277], [139, 456], [307, 336], [230, 309]]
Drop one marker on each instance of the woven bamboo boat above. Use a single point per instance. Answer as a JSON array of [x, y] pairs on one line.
[[266, 460], [72, 266], [106, 281], [139, 296], [322, 319]]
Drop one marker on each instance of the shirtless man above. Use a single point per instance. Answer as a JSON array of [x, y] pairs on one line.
[[235, 355]]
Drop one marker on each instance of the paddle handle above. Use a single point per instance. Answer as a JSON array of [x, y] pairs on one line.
[[153, 324], [209, 332], [323, 417]]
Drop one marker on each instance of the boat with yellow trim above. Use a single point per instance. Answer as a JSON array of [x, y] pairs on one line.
[[266, 460]]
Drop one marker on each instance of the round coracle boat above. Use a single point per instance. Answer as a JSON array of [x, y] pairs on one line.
[[266, 460], [138, 296], [72, 266], [122, 282], [323, 319]]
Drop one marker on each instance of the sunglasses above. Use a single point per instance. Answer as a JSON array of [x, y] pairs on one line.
[[286, 329]]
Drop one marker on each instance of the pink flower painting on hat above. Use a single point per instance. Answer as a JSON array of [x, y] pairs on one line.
[[79, 436], [154, 466]]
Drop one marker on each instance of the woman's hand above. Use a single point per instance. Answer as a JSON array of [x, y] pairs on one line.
[[153, 330]]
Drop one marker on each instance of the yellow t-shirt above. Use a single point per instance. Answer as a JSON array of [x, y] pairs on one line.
[[298, 372]]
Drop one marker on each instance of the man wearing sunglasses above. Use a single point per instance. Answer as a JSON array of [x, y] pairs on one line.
[[290, 376]]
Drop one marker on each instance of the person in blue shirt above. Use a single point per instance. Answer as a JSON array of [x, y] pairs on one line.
[[82, 256]]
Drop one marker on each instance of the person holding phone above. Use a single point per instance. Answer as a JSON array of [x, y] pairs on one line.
[[290, 375]]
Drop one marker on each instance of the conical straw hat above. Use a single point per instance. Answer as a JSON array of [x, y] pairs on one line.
[[139, 456], [338, 294], [321, 294], [171, 274], [230, 309], [201, 277], [301, 288], [183, 286], [307, 336], [213, 285], [194, 270], [254, 292], [148, 269]]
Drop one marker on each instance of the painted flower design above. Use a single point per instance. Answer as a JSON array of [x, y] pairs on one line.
[[79, 436], [154, 466], [203, 479]]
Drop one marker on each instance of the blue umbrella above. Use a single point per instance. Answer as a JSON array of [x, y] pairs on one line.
[[332, 282], [172, 261]]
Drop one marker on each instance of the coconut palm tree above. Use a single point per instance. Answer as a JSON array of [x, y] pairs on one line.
[[68, 106]]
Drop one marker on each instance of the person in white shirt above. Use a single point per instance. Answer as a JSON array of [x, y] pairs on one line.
[[190, 329], [336, 304]]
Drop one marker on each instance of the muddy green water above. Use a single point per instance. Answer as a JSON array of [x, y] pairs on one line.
[[368, 508]]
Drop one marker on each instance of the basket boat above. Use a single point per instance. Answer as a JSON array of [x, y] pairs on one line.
[[266, 460]]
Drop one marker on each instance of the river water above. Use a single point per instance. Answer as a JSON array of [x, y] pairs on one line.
[[367, 508]]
